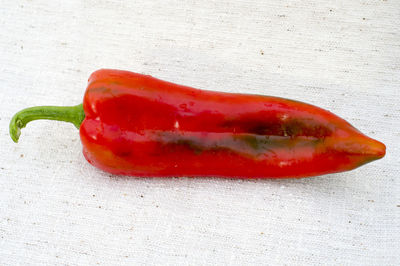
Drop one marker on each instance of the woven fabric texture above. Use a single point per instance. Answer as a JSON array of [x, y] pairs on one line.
[[57, 209]]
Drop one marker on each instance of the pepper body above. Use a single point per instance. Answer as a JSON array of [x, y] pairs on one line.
[[142, 126]]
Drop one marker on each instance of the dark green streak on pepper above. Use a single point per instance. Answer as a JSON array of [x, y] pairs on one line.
[[247, 144], [190, 144], [276, 127]]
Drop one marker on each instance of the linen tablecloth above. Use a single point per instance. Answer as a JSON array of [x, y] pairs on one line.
[[56, 209]]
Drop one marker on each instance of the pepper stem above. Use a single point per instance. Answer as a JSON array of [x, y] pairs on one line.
[[72, 114]]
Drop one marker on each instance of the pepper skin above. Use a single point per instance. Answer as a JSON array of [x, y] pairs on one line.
[[142, 126]]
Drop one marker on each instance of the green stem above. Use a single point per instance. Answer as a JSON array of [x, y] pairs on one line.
[[72, 114]]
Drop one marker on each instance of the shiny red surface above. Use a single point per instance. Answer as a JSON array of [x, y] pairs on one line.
[[141, 126]]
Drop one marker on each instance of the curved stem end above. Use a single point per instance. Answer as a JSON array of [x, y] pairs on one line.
[[15, 128], [72, 114]]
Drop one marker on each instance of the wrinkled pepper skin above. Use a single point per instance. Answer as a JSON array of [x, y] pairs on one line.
[[142, 126]]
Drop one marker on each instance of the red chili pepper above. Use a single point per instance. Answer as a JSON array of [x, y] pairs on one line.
[[134, 124]]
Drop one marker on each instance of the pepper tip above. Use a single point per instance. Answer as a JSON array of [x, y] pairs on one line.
[[379, 149]]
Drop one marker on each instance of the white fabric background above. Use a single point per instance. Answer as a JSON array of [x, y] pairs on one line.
[[55, 208]]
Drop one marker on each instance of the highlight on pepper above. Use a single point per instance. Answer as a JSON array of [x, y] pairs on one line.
[[134, 124]]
